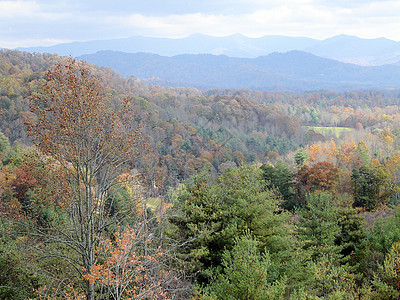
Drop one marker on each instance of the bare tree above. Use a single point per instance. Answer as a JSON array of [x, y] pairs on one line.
[[92, 145]]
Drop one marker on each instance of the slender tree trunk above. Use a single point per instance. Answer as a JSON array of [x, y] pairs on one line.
[[89, 291]]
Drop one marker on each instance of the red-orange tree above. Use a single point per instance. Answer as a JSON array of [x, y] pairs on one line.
[[323, 176], [93, 145]]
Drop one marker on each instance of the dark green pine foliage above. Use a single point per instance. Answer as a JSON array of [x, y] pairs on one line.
[[245, 274], [280, 176], [384, 233], [352, 234], [387, 280], [209, 217], [372, 186], [16, 282], [319, 228], [204, 227], [301, 157]]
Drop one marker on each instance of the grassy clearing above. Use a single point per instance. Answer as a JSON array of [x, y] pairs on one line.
[[330, 131], [153, 203]]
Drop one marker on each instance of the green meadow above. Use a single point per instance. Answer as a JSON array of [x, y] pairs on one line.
[[329, 131]]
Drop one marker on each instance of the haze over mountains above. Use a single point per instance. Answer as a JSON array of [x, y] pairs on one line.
[[291, 71], [268, 63], [344, 48]]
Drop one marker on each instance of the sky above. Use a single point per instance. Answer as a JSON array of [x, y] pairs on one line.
[[25, 23]]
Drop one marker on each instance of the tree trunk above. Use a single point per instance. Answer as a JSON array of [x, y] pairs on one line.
[[89, 291]]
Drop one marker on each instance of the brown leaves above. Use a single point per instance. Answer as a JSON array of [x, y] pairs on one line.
[[92, 146], [74, 123]]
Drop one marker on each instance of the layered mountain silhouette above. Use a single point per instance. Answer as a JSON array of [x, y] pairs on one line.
[[271, 62], [291, 71], [356, 50], [344, 48]]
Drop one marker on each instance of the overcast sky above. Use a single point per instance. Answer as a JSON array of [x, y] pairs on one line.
[[47, 22]]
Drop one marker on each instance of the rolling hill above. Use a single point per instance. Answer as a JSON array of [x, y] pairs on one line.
[[290, 71]]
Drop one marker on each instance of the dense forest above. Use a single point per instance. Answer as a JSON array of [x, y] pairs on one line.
[[112, 188]]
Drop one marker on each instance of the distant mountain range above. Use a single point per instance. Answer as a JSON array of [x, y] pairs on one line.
[[277, 63], [291, 71], [345, 48]]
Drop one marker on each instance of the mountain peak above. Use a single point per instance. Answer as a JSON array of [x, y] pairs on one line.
[[346, 48], [292, 70], [197, 35], [342, 37], [236, 35]]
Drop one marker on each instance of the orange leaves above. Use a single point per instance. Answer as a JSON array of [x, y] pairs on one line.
[[323, 176], [313, 151], [347, 154], [12, 209], [332, 150], [92, 145], [126, 269], [98, 273]]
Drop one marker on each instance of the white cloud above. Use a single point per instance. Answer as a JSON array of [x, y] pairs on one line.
[[17, 9], [300, 18], [379, 9], [46, 21], [294, 18], [21, 11]]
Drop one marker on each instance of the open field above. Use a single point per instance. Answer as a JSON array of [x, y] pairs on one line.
[[153, 203], [329, 131]]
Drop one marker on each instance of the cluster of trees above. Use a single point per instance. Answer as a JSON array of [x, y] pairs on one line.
[[246, 245], [251, 207], [73, 202], [189, 130], [348, 168]]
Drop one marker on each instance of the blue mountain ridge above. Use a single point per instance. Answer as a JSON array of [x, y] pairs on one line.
[[344, 48], [289, 71]]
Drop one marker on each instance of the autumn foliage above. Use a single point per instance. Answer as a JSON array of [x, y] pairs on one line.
[[84, 214], [129, 268], [92, 145]]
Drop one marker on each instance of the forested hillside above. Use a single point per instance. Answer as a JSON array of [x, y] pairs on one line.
[[112, 188]]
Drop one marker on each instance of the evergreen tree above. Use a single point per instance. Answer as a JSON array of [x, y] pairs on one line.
[[245, 274], [211, 216], [300, 157], [319, 228], [281, 177], [372, 186]]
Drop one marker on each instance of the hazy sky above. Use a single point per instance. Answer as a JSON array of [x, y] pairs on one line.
[[46, 22]]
